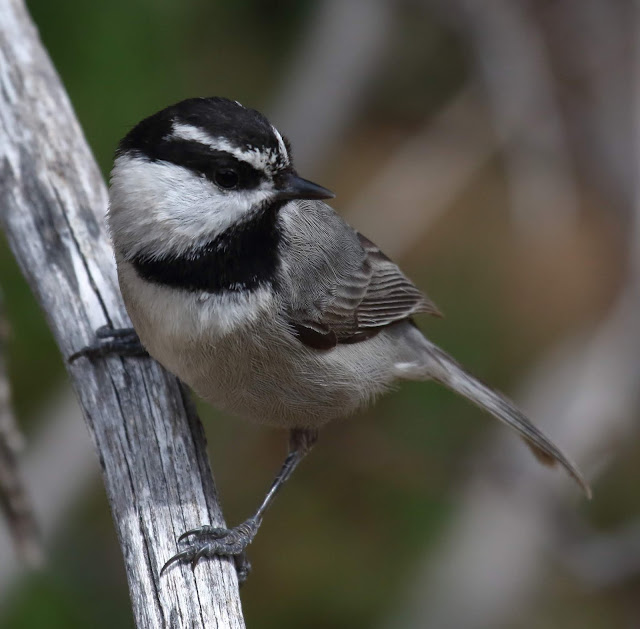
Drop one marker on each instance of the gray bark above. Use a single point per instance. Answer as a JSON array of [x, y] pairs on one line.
[[149, 440]]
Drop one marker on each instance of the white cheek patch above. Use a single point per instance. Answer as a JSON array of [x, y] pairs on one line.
[[165, 208], [260, 159]]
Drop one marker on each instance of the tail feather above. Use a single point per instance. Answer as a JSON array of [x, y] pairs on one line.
[[448, 372]]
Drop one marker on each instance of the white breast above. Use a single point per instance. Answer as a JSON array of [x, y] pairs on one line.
[[169, 321], [237, 352]]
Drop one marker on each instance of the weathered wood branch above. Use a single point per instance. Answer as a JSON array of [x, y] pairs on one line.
[[149, 439]]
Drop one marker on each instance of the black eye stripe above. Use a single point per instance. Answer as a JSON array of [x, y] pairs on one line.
[[205, 161]]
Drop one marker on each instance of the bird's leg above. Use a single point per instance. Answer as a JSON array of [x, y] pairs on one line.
[[210, 541], [109, 341]]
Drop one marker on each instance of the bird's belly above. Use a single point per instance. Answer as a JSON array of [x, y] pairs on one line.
[[264, 374], [242, 357], [276, 381]]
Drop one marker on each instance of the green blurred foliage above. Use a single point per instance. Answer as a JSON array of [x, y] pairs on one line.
[[343, 539]]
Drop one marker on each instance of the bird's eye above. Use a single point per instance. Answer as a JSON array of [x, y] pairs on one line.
[[226, 178]]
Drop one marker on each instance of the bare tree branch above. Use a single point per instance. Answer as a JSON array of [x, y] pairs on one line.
[[58, 468], [423, 177], [605, 560], [592, 46], [150, 442], [338, 56], [508, 517], [493, 555], [513, 64], [14, 499], [511, 518]]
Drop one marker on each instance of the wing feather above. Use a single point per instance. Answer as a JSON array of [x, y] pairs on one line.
[[371, 296]]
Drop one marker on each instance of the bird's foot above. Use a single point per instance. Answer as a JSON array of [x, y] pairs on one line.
[[212, 541], [243, 567], [110, 341]]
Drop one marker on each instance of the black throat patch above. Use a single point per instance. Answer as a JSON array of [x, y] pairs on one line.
[[242, 258]]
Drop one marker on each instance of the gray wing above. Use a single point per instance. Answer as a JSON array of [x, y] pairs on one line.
[[347, 289]]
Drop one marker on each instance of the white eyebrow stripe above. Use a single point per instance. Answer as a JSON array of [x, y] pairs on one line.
[[260, 160], [181, 131], [281, 144]]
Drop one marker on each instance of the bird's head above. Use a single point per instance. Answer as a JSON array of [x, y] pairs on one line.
[[194, 170]]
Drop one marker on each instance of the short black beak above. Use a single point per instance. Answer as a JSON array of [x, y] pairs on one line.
[[294, 187]]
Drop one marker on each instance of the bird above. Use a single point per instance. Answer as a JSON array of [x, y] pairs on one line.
[[241, 281]]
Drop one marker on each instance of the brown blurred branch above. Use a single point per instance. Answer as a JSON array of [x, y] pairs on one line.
[[511, 517], [14, 499], [510, 510], [338, 56], [59, 466], [148, 437], [508, 520], [512, 63], [605, 560], [423, 177], [592, 45]]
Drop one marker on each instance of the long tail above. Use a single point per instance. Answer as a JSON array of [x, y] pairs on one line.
[[445, 370]]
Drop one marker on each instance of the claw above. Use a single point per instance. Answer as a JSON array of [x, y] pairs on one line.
[[85, 351], [209, 531], [187, 534], [211, 541], [121, 342], [107, 332], [177, 558], [243, 567], [199, 554]]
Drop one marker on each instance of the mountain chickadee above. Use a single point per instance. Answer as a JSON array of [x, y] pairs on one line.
[[255, 293]]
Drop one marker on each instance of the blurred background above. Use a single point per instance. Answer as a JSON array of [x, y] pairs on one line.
[[491, 149]]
